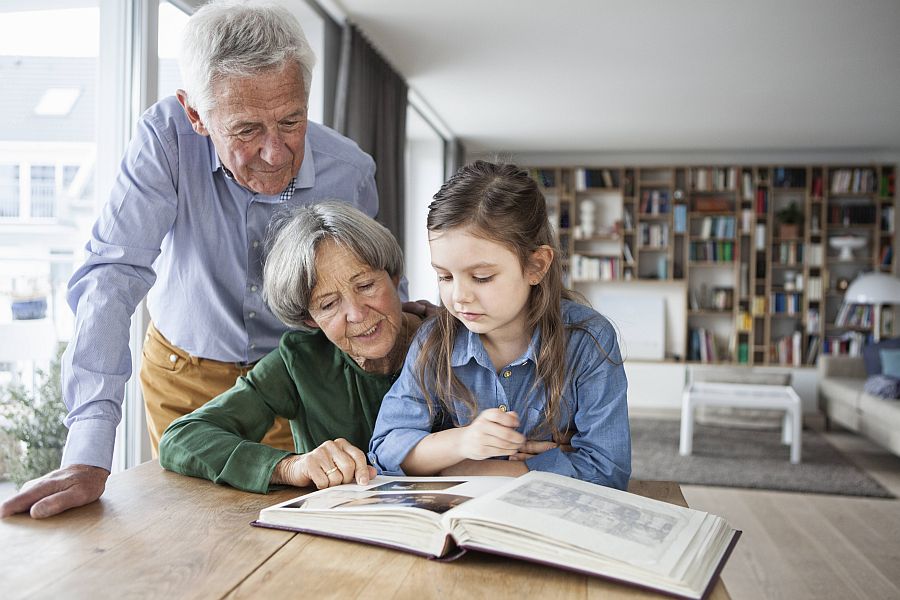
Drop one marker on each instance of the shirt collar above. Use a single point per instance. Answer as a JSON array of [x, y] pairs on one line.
[[468, 347]]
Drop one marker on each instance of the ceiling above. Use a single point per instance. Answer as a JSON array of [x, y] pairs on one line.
[[645, 75]]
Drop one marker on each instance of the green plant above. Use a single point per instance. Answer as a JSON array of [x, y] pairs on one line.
[[33, 424], [790, 214]]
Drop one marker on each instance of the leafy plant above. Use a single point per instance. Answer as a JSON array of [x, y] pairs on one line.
[[790, 214], [33, 424]]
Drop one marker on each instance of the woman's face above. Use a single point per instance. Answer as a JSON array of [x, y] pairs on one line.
[[356, 306]]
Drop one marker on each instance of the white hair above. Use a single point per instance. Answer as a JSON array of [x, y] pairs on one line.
[[230, 38], [289, 271]]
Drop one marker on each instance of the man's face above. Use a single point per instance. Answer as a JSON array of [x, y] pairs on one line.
[[258, 127]]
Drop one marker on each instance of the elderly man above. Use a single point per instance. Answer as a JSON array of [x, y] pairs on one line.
[[185, 226]]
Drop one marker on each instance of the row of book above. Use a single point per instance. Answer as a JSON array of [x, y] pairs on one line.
[[759, 306], [788, 253], [849, 343], [855, 214], [712, 251], [655, 202], [594, 178], [887, 219], [743, 322], [812, 321], [814, 288], [853, 181], [717, 227], [815, 255], [594, 268], [787, 303], [788, 350], [789, 177], [702, 345], [653, 235], [762, 201], [714, 179], [854, 315], [887, 256]]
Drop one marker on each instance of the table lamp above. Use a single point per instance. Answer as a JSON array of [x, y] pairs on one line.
[[876, 289]]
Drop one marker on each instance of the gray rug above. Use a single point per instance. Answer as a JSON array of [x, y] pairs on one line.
[[744, 458]]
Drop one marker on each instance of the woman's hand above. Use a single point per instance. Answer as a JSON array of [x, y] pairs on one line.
[[333, 463], [492, 433]]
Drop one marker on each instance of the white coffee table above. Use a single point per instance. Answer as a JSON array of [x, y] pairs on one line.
[[741, 395]]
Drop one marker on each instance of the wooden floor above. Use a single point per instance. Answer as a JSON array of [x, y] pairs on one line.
[[799, 546]]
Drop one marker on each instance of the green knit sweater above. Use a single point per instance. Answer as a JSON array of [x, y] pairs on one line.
[[307, 380]]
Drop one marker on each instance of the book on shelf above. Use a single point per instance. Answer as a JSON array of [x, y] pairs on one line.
[[854, 315], [747, 185], [655, 202], [680, 218], [760, 238], [854, 214], [887, 256], [787, 350], [762, 201], [627, 220], [743, 353], [853, 181], [817, 187], [743, 322], [849, 343], [594, 268], [790, 253], [815, 255], [814, 288], [714, 179], [626, 251], [789, 303], [544, 177], [887, 219], [653, 235], [540, 517], [712, 251], [812, 349], [702, 346], [759, 306]]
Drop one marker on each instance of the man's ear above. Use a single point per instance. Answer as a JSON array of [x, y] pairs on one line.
[[192, 114], [540, 262]]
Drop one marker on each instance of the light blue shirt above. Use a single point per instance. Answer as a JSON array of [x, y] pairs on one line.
[[178, 230], [594, 401]]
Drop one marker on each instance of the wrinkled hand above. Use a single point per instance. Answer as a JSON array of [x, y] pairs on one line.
[[57, 491], [333, 463], [533, 448], [492, 433], [421, 308]]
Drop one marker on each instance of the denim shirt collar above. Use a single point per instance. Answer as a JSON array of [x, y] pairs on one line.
[[468, 347]]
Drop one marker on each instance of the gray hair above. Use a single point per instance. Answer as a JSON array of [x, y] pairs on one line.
[[289, 273], [226, 38]]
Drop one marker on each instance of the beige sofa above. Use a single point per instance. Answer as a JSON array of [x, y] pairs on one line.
[[843, 401]]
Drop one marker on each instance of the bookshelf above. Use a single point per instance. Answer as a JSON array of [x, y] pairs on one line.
[[754, 246]]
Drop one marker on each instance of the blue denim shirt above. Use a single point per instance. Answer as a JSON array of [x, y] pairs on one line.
[[178, 230], [594, 401]]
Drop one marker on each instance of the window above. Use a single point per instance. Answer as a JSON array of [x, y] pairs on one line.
[[43, 191], [171, 25], [9, 191]]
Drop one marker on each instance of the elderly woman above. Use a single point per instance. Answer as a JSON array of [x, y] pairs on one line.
[[332, 273]]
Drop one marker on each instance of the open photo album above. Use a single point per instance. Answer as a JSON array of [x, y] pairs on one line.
[[540, 517]]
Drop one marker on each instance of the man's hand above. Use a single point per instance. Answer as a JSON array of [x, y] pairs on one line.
[[421, 308], [332, 463], [59, 490], [492, 433]]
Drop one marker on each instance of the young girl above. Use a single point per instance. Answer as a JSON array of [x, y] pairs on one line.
[[511, 367]]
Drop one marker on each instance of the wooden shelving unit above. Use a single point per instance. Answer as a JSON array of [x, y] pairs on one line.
[[757, 294]]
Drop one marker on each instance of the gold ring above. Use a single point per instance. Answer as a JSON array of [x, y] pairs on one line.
[[331, 470]]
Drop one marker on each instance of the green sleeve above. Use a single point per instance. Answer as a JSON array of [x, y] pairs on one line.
[[220, 440]]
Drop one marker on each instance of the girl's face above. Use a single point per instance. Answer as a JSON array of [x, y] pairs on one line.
[[482, 282]]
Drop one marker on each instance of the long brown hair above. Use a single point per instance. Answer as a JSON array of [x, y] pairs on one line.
[[502, 203]]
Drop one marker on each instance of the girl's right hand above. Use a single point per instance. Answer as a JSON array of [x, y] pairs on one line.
[[492, 433], [332, 463]]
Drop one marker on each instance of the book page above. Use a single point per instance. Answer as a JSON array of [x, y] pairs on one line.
[[610, 523]]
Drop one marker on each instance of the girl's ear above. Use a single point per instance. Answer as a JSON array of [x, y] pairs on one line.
[[540, 262], [310, 323]]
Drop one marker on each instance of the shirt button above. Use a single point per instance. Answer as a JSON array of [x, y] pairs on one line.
[[507, 373], [503, 408], [252, 315], [173, 358], [256, 243], [253, 288]]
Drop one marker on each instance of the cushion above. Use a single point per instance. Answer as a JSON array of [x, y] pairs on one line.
[[890, 363], [871, 355], [883, 386]]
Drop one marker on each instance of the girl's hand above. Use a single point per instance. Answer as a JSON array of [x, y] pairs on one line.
[[533, 447], [492, 433], [333, 463]]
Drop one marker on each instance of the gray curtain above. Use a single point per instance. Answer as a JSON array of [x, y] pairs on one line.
[[370, 108]]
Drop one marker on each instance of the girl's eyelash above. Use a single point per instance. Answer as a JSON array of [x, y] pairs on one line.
[[483, 279], [444, 277]]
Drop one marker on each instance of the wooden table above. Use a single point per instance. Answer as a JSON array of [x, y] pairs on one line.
[[156, 534]]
